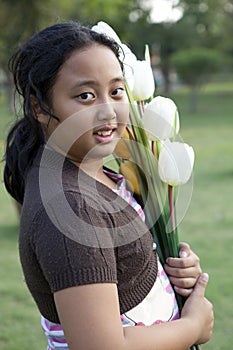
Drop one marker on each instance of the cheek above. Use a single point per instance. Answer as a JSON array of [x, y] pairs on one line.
[[80, 147], [123, 113]]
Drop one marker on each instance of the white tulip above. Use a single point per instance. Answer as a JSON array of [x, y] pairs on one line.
[[175, 163], [161, 118], [104, 28], [144, 85]]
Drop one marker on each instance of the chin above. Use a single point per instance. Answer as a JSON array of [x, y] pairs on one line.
[[104, 150]]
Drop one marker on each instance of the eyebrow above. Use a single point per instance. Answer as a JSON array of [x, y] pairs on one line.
[[119, 79]]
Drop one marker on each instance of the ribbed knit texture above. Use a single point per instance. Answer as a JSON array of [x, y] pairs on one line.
[[52, 260]]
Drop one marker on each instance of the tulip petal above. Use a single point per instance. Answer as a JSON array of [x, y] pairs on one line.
[[103, 28]]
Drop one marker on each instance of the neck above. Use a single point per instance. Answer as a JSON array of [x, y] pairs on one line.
[[94, 168]]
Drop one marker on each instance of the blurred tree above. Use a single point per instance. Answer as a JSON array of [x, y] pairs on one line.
[[117, 13], [204, 23], [19, 19], [210, 18], [194, 66]]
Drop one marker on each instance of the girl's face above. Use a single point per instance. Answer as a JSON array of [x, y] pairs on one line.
[[90, 88]]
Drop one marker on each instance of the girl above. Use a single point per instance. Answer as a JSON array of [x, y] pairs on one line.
[[85, 250]]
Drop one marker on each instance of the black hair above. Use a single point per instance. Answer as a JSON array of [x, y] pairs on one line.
[[34, 67]]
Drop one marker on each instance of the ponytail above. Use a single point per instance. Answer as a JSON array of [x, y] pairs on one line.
[[22, 145]]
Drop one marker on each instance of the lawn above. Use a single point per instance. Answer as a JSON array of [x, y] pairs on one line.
[[207, 225], [19, 320]]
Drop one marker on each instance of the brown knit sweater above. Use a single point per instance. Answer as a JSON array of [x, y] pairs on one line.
[[76, 231]]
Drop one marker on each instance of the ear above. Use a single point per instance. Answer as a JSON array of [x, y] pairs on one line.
[[39, 114]]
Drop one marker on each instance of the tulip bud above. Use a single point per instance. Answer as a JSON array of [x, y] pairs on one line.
[[128, 170], [175, 163], [122, 150], [144, 84], [161, 119]]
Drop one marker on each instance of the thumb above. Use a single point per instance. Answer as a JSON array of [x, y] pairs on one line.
[[201, 284]]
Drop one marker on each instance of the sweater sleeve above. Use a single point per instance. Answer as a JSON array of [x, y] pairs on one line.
[[68, 247]]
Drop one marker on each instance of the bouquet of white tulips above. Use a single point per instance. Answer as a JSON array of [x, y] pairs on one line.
[[150, 154]]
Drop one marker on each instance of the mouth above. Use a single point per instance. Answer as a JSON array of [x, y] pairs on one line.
[[105, 134]]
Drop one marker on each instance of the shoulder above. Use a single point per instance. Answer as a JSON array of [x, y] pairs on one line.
[[65, 253]]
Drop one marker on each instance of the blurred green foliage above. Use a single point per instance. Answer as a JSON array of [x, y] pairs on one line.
[[195, 66]]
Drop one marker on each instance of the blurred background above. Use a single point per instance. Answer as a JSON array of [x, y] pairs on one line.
[[191, 50]]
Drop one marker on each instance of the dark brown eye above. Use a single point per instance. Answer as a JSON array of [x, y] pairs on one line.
[[86, 96], [118, 92]]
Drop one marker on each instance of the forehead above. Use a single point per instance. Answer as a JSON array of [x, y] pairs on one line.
[[92, 60]]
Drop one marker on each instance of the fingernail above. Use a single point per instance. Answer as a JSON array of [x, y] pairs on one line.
[[183, 254], [205, 277]]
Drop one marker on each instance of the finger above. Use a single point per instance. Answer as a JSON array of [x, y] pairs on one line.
[[178, 272], [191, 260], [201, 284], [179, 262], [184, 292], [184, 283], [184, 250]]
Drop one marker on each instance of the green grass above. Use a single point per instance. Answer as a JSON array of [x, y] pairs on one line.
[[209, 221], [20, 320], [207, 225]]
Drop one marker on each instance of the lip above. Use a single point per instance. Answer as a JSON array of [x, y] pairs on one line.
[[105, 128]]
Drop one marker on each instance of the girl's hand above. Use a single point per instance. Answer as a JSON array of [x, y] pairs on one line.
[[184, 271], [199, 310]]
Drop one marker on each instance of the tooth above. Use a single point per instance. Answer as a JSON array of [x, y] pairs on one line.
[[104, 133]]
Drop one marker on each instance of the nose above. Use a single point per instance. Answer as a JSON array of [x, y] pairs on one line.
[[106, 111]]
